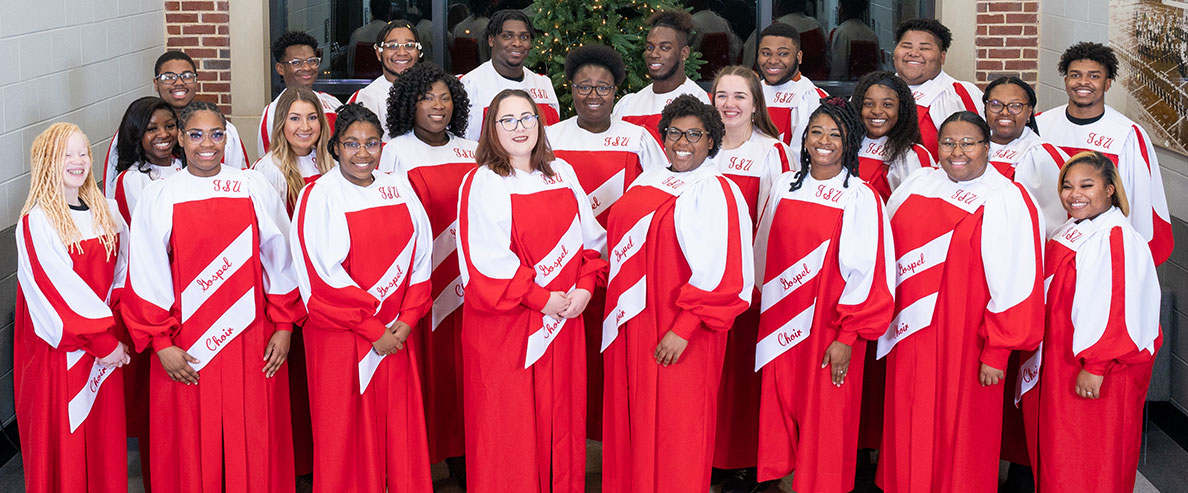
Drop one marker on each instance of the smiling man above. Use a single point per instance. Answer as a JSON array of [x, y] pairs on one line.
[[509, 35], [920, 48], [791, 97], [1086, 123], [297, 61]]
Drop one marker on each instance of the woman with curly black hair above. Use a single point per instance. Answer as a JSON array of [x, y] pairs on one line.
[[891, 149], [679, 242], [824, 257]]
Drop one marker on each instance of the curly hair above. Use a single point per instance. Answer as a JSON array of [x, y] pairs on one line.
[[933, 26], [1088, 50], [131, 131], [852, 131], [1027, 90], [495, 25], [170, 56], [780, 30], [906, 131], [689, 105], [598, 56], [411, 86], [395, 24], [678, 20], [291, 38], [350, 114]]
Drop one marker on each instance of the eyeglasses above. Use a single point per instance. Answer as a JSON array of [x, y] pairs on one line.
[[297, 63], [1013, 108], [673, 134], [966, 145], [186, 77], [601, 89], [510, 124], [216, 136], [372, 146], [410, 46]]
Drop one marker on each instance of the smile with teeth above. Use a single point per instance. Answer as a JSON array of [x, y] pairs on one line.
[[520, 139], [655, 66], [958, 164], [773, 70], [180, 93], [164, 144], [682, 154], [1006, 122], [437, 118], [877, 121], [363, 165], [1078, 205], [206, 154], [825, 152], [77, 171], [731, 113]]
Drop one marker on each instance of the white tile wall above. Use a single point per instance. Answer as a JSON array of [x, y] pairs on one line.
[[80, 61], [1062, 23]]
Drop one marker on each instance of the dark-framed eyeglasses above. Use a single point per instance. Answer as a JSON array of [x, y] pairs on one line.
[[967, 145], [511, 124], [601, 89], [1014, 108], [187, 77], [673, 134]]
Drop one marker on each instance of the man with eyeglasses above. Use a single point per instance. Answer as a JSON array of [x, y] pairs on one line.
[[175, 78], [920, 48], [297, 61], [398, 48], [509, 35], [1086, 123], [791, 97]]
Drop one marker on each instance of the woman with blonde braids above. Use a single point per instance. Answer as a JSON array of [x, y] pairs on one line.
[[71, 262], [301, 150]]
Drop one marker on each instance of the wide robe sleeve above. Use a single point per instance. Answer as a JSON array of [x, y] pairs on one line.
[[146, 309], [649, 152], [1039, 172], [866, 260], [1012, 261], [282, 301], [272, 174], [1143, 181]]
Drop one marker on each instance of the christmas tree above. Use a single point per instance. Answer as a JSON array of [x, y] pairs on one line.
[[621, 24]]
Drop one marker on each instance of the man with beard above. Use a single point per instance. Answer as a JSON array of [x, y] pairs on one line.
[[665, 53], [791, 97], [509, 35], [1087, 124], [297, 61], [920, 48]]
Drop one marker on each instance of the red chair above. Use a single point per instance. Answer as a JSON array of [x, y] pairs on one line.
[[815, 62], [464, 55], [367, 66], [715, 50], [864, 58]]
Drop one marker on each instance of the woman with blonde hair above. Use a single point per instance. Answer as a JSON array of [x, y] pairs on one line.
[[301, 149], [71, 260]]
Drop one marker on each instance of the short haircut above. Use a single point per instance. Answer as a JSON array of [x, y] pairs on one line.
[[170, 56], [490, 152], [1088, 50], [1105, 169], [597, 55], [678, 20], [407, 90], [350, 114], [689, 105], [495, 25], [933, 26], [780, 30], [394, 24], [291, 38]]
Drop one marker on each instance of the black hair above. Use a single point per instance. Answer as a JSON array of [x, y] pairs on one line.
[[1088, 50], [131, 132], [852, 131], [853, 9], [495, 24], [689, 105], [933, 26], [597, 55], [967, 117], [291, 38], [1031, 99], [195, 107], [906, 132], [170, 56], [398, 23], [781, 30], [408, 89], [678, 20], [381, 9], [350, 114]]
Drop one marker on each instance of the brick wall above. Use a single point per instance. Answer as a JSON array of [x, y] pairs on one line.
[[202, 30], [1007, 40]]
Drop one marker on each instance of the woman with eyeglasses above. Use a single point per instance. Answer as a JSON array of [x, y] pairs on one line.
[[398, 48], [969, 290], [1085, 414], [607, 154], [213, 292], [529, 248], [891, 149], [681, 271], [363, 249]]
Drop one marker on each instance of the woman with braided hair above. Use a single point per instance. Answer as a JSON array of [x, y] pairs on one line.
[[71, 260], [823, 261], [891, 149]]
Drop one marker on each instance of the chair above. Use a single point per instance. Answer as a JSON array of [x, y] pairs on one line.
[[815, 62]]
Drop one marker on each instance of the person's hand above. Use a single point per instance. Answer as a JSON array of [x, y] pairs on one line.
[[669, 351], [1089, 385], [176, 362], [990, 375], [838, 356], [277, 352], [118, 357], [401, 331], [578, 300], [557, 303], [386, 344]]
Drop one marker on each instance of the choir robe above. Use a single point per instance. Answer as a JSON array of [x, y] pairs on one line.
[[374, 96], [1128, 146], [968, 291], [70, 411], [789, 105], [825, 257], [681, 260], [753, 167], [234, 155], [330, 106], [363, 257], [1035, 164], [885, 177], [520, 238], [643, 108], [211, 273], [1103, 317], [436, 174], [938, 98], [605, 164], [130, 184], [483, 83]]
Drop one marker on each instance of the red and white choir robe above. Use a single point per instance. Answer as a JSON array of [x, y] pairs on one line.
[[269, 166], [330, 106], [211, 273], [753, 167], [374, 96], [235, 155], [825, 256], [363, 257], [1128, 146], [436, 174], [70, 412], [938, 98], [520, 238], [643, 108], [885, 177], [1103, 317], [681, 260], [968, 291], [130, 183], [483, 83], [1035, 164], [789, 105]]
